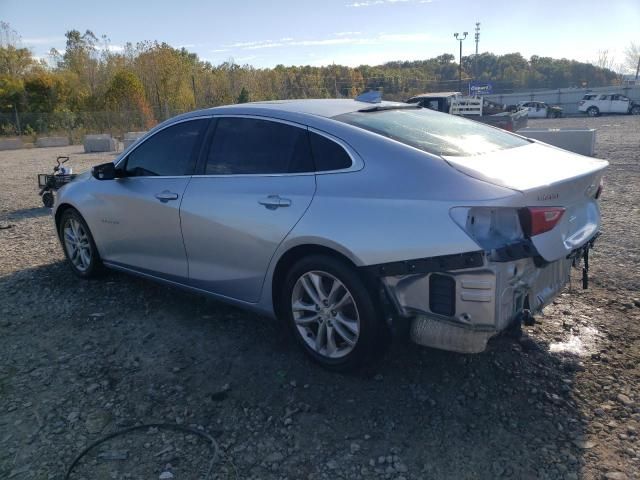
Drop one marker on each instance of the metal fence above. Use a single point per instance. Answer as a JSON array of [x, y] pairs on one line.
[[76, 124]]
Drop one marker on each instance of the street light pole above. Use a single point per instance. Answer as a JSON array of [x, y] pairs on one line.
[[460, 39]]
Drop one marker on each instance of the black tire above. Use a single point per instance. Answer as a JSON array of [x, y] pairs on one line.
[[373, 336], [47, 199], [94, 267], [593, 111], [635, 110]]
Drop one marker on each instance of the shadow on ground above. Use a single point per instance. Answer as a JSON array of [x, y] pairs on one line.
[[24, 213], [139, 352]]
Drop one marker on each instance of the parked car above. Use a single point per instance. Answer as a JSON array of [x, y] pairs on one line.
[[541, 110], [343, 218], [594, 104], [474, 108]]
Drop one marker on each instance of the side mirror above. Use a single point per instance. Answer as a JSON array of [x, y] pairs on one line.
[[104, 171]]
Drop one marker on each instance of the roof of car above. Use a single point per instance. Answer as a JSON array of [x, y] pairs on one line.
[[320, 107]]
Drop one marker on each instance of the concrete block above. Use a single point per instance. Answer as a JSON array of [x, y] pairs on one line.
[[131, 137], [11, 143], [43, 142], [578, 140], [102, 142]]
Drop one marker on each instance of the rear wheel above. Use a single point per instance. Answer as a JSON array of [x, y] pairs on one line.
[[78, 245], [635, 110], [593, 111], [332, 314]]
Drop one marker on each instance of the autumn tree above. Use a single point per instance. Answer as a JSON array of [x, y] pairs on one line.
[[632, 58], [125, 94]]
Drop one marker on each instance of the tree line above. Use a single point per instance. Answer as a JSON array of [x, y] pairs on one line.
[[90, 86]]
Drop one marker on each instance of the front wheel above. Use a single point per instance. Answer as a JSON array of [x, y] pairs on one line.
[[593, 111], [332, 314], [635, 110], [78, 245]]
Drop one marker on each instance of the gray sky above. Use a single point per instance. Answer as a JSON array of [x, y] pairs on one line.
[[350, 32]]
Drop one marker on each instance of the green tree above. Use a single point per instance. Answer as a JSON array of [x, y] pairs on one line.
[[244, 96]]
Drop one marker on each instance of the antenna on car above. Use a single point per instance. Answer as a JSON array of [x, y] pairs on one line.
[[372, 96]]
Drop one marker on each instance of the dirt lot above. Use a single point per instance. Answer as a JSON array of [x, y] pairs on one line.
[[79, 360]]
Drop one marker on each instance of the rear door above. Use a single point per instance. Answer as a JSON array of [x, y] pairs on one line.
[[619, 104], [256, 182], [139, 214]]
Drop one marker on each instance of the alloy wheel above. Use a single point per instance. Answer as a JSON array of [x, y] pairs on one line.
[[325, 314], [77, 244]]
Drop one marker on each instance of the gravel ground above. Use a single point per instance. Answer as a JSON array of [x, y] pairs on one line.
[[79, 360]]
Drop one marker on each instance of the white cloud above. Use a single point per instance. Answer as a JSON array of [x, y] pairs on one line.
[[349, 38], [115, 48], [243, 60], [42, 40], [371, 3]]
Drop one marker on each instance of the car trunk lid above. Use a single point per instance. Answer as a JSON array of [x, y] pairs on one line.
[[546, 177]]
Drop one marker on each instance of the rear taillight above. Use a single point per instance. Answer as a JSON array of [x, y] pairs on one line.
[[537, 220]]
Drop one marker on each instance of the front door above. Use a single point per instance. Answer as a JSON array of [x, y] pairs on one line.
[[140, 212], [604, 103], [257, 183]]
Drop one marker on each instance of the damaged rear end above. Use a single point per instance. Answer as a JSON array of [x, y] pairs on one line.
[[527, 245]]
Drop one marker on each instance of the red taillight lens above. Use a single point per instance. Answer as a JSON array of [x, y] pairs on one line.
[[537, 220]]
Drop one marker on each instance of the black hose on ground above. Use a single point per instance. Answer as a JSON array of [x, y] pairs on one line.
[[169, 426]]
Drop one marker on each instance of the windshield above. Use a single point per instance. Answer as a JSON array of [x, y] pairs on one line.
[[436, 133]]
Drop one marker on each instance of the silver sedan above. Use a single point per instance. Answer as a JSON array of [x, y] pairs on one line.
[[345, 219]]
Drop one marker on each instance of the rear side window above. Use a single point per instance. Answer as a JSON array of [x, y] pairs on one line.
[[433, 132], [254, 146], [169, 153], [327, 154]]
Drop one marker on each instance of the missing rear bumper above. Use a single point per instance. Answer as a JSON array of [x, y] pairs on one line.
[[460, 310]]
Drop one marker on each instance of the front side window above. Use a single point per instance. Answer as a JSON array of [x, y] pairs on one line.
[[435, 133], [255, 146], [168, 153]]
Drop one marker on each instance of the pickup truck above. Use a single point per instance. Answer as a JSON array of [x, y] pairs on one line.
[[540, 109], [474, 108], [593, 104]]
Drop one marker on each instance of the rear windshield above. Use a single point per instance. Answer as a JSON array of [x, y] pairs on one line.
[[433, 132]]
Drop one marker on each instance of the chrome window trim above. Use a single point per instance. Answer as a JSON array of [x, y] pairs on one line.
[[150, 135], [356, 161]]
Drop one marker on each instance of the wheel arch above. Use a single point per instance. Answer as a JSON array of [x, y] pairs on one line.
[[291, 256], [60, 209]]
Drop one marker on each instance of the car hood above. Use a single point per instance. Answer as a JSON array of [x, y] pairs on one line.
[[527, 167]]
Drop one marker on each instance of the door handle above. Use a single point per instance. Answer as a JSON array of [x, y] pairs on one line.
[[166, 195], [274, 201]]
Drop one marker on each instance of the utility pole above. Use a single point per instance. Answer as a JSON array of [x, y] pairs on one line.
[[475, 59], [460, 63], [638, 68]]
